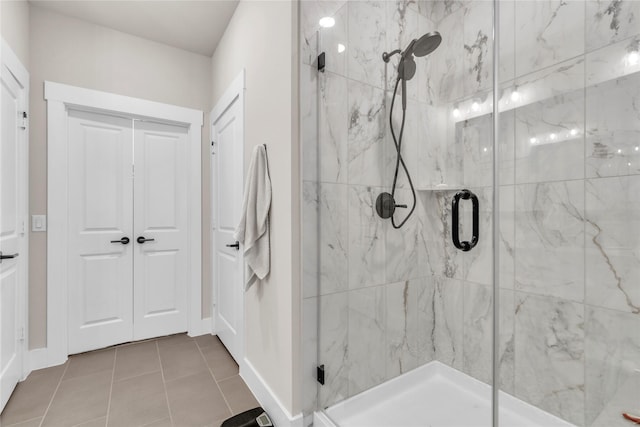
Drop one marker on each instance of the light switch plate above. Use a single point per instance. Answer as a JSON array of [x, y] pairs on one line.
[[38, 223]]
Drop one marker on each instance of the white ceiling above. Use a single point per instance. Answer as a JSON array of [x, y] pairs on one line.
[[196, 26]]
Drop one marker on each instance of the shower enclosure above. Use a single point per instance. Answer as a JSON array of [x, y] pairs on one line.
[[538, 140]]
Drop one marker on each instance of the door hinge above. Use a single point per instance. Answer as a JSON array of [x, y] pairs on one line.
[[213, 144], [320, 374], [23, 120], [21, 334], [321, 62]]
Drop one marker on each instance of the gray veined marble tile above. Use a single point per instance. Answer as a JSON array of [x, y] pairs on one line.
[[334, 42], [440, 321], [333, 132], [608, 21], [507, 236], [424, 80], [549, 248], [558, 79], [547, 32], [404, 246], [309, 122], [478, 48], [309, 353], [334, 347], [367, 42], [626, 397], [613, 127], [478, 262], [409, 143], [613, 243], [401, 28], [402, 327], [438, 154], [310, 239], [507, 61], [310, 14], [367, 129], [333, 239], [612, 351], [366, 257], [440, 9], [613, 61], [445, 66], [439, 258], [478, 335], [549, 355], [476, 137], [549, 141], [308, 46], [442, 259], [367, 349]]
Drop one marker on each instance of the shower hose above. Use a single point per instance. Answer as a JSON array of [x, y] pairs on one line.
[[399, 160]]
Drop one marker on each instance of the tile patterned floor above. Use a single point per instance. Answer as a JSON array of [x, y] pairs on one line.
[[170, 381]]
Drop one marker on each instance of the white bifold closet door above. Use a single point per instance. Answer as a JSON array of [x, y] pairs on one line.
[[125, 184]]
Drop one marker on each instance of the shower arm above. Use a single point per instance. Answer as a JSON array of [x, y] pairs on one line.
[[386, 57]]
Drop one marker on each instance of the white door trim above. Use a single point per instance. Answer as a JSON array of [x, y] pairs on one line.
[[10, 60], [234, 92], [59, 97]]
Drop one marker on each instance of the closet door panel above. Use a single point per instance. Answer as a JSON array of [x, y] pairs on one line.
[[100, 292], [160, 211]]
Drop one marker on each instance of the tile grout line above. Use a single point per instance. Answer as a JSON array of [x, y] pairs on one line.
[[22, 422], [214, 378], [113, 374], [54, 393], [164, 383], [83, 422]]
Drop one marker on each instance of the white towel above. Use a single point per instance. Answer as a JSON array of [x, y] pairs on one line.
[[253, 230]]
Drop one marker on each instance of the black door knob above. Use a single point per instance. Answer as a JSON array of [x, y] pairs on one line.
[[142, 239], [234, 245], [124, 241]]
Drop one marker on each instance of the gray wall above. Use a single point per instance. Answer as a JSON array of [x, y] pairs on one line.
[[261, 38], [15, 28]]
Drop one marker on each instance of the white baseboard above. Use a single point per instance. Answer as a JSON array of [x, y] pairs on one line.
[[277, 412], [37, 358], [202, 328]]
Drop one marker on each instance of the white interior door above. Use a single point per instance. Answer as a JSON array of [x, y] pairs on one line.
[[227, 186], [161, 234], [100, 267], [12, 234]]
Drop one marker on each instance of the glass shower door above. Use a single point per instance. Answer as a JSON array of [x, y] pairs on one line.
[[573, 269], [398, 321]]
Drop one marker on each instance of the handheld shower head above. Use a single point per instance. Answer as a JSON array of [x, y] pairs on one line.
[[425, 44], [418, 47]]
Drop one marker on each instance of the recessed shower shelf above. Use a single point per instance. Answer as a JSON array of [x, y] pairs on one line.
[[440, 187]]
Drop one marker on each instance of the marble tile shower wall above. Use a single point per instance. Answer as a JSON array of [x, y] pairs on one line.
[[391, 300]]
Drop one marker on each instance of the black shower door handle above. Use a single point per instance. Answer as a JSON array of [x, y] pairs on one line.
[[465, 246]]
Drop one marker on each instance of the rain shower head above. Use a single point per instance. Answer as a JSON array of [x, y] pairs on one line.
[[424, 45], [418, 47]]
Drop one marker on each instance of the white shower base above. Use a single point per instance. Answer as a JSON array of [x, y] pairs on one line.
[[433, 395]]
